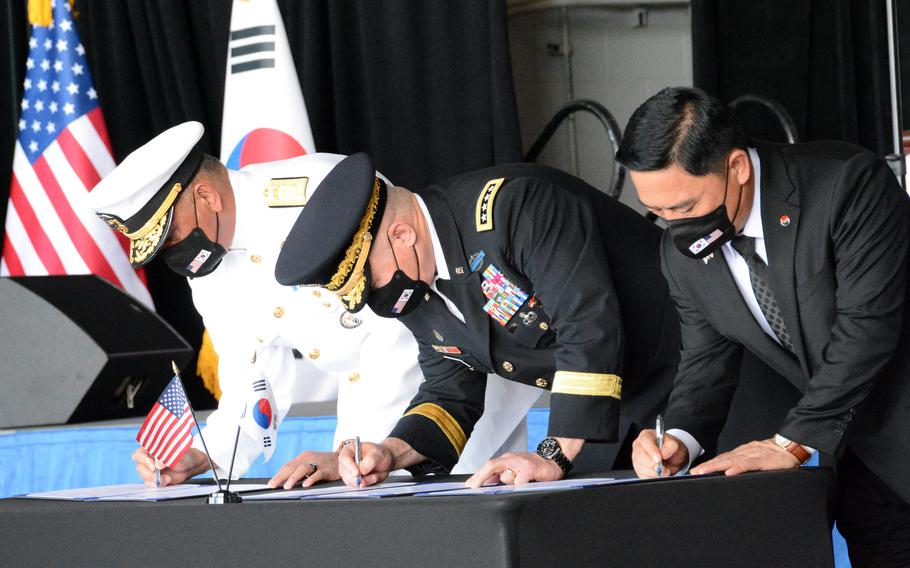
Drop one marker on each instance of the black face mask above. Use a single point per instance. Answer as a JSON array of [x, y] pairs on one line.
[[401, 295], [697, 237], [196, 255]]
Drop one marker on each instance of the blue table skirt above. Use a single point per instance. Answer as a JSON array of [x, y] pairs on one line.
[[63, 458]]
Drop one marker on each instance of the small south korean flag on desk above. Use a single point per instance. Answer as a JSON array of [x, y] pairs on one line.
[[260, 418], [167, 431]]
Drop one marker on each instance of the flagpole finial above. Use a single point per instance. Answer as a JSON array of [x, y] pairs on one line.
[[174, 366], [40, 13]]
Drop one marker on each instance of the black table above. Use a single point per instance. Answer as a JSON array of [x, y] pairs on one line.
[[774, 519]]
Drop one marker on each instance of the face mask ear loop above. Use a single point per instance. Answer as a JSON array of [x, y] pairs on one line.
[[195, 211], [391, 248], [739, 202], [217, 227], [726, 179], [417, 258]]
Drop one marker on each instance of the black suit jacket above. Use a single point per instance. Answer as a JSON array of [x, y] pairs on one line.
[[838, 270], [596, 308]]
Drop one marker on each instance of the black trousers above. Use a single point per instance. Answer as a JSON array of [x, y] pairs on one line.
[[873, 519]]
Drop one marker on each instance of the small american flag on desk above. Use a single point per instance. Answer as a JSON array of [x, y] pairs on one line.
[[167, 431]]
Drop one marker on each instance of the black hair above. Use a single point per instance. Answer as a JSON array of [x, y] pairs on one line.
[[210, 164], [683, 126]]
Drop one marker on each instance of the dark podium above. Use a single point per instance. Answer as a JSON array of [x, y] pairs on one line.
[[770, 519]]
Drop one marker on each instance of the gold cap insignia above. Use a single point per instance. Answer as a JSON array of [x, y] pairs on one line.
[[349, 281]]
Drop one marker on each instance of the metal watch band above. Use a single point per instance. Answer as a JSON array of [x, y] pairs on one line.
[[563, 462], [549, 449]]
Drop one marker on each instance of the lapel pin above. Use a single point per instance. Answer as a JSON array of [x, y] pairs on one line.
[[707, 258], [459, 270], [784, 220]]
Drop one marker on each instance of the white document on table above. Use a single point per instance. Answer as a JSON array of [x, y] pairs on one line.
[[84, 493], [308, 492], [384, 490], [561, 485], [180, 492], [139, 492]]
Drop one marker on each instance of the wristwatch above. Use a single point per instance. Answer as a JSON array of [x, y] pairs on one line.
[[549, 449], [798, 451]]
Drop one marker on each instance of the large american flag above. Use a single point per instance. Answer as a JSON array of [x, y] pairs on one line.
[[62, 151], [166, 432]]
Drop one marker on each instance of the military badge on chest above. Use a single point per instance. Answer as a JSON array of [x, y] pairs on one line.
[[531, 313], [503, 297], [349, 320]]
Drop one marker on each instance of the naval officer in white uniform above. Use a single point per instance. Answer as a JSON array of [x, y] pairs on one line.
[[224, 235]]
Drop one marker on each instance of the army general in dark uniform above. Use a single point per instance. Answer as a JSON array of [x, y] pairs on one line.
[[520, 270]]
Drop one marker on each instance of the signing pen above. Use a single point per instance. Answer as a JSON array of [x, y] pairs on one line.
[[357, 459], [660, 441]]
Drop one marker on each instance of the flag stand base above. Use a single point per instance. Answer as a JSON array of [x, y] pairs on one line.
[[222, 497]]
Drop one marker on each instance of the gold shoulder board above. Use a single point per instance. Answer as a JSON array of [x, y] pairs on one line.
[[286, 192], [484, 213]]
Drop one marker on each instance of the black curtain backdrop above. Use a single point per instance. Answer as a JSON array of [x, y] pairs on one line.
[[13, 50], [424, 86], [826, 61]]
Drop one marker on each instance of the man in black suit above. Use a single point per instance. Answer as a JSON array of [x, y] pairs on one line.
[[799, 254], [520, 270]]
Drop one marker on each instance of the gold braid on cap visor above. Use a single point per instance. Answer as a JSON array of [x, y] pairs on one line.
[[144, 240], [348, 281]]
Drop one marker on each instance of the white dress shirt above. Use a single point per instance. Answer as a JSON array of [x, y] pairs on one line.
[[442, 271]]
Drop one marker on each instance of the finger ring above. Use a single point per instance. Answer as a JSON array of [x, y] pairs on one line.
[[347, 442], [312, 465], [509, 472]]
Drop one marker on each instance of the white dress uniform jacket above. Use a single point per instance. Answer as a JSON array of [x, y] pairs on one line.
[[372, 360]]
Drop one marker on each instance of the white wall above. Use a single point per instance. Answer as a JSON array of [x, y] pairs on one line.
[[614, 62]]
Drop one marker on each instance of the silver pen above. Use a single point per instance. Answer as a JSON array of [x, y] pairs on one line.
[[660, 441], [157, 476], [357, 459]]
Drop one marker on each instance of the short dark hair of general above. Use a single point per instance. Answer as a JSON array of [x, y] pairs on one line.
[[683, 126]]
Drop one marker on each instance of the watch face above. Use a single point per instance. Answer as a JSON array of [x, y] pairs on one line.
[[781, 441], [548, 448]]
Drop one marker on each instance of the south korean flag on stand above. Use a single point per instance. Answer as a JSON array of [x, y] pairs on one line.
[[265, 117], [260, 417]]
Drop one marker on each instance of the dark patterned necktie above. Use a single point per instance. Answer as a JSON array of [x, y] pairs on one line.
[[758, 276]]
